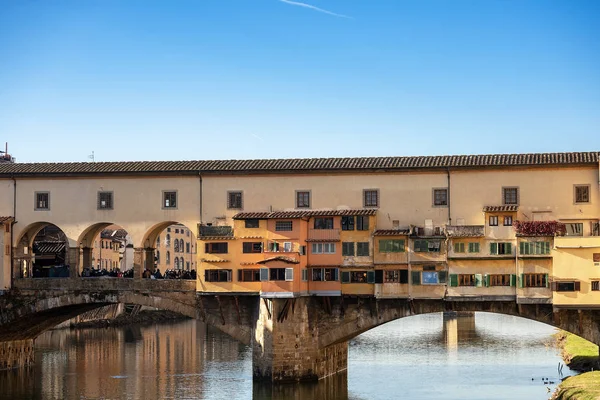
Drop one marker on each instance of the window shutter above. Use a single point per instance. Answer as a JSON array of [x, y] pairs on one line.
[[478, 280], [513, 280], [289, 274], [370, 276], [403, 276], [522, 281], [547, 247], [486, 280], [415, 277], [336, 273], [302, 250], [522, 248], [508, 248], [264, 274], [228, 274], [205, 275], [206, 248], [443, 276], [547, 280], [554, 286], [453, 280], [304, 275], [239, 275], [493, 248], [577, 286], [345, 276], [456, 247], [378, 276]]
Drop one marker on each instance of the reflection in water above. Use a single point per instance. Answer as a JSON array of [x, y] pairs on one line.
[[424, 357]]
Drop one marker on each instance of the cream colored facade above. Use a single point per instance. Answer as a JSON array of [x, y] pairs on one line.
[[545, 191]]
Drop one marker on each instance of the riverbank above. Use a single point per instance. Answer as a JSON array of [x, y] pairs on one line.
[[581, 356], [142, 318]]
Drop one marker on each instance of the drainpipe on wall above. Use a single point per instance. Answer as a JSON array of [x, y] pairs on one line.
[[449, 214], [200, 180], [12, 229]]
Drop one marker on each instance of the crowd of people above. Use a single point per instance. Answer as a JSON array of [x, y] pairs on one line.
[[117, 273]]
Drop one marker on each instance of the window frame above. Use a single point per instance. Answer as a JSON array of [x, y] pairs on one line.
[[474, 245], [36, 201], [253, 220], [388, 245], [230, 205], [346, 246], [493, 218], [361, 253], [348, 222], [589, 193], [209, 247], [166, 193], [303, 192], [434, 198], [362, 222], [506, 218], [112, 200], [278, 229], [331, 248], [377, 198], [253, 247], [325, 223], [518, 195]]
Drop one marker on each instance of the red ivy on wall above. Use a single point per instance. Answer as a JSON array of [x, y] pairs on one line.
[[539, 228]]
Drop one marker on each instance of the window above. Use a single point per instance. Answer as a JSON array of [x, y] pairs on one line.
[[347, 248], [534, 248], [252, 247], [273, 247], [362, 249], [498, 280], [324, 274], [181, 245], [287, 247], [169, 229], [510, 195], [234, 200], [302, 199], [362, 223], [323, 223], [466, 279], [595, 286], [187, 247], [432, 277], [459, 247], [391, 246], [105, 200], [169, 199], [500, 248], [473, 247], [358, 277], [507, 221], [281, 226], [534, 280], [157, 258], [348, 223], [440, 197], [168, 242], [248, 275], [217, 275], [176, 230], [176, 247], [323, 248], [398, 276], [371, 198], [424, 246], [574, 229], [177, 263], [566, 286], [168, 258], [493, 220], [251, 223], [582, 193], [187, 265], [280, 274], [215, 248], [42, 201], [158, 240]]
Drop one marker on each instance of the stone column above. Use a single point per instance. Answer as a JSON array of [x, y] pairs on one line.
[[149, 259], [73, 260], [17, 263], [288, 350], [86, 261], [138, 262]]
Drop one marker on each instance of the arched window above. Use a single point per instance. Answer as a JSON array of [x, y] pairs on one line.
[[181, 248], [157, 257], [176, 263], [181, 262], [168, 240], [176, 246], [168, 257], [158, 241]]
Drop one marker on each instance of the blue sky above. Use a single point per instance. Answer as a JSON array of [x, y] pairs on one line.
[[222, 79]]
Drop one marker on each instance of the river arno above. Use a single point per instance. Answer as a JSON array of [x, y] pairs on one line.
[[424, 357]]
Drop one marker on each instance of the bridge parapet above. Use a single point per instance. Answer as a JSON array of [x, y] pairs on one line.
[[105, 284]]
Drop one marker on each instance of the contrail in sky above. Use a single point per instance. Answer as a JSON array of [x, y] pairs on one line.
[[297, 3]]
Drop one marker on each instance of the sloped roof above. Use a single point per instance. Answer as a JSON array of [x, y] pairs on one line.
[[285, 259], [48, 247], [4, 219], [302, 214], [465, 230], [296, 165], [391, 232]]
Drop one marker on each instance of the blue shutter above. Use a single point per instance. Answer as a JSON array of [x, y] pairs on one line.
[[336, 273], [264, 274]]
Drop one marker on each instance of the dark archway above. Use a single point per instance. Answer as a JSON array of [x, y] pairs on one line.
[[43, 251]]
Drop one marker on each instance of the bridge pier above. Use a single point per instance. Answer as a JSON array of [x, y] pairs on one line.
[[86, 261], [16, 354], [286, 343], [73, 261], [138, 262], [149, 259]]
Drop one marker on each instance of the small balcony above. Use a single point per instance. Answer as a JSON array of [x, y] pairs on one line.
[[323, 235]]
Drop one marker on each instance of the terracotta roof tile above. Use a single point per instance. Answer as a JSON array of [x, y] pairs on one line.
[[288, 260], [303, 214], [305, 165], [465, 230], [511, 208], [3, 219], [391, 232], [48, 247]]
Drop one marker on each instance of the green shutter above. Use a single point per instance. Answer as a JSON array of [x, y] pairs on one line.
[[345, 276], [522, 281], [442, 276], [508, 248], [370, 276], [264, 274], [453, 280], [547, 280], [336, 274], [486, 280], [522, 248], [415, 277], [493, 248], [456, 247], [513, 280], [478, 280], [547, 247]]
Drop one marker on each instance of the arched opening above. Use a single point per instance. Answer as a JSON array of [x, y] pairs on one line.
[[106, 251], [177, 243], [43, 251]]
